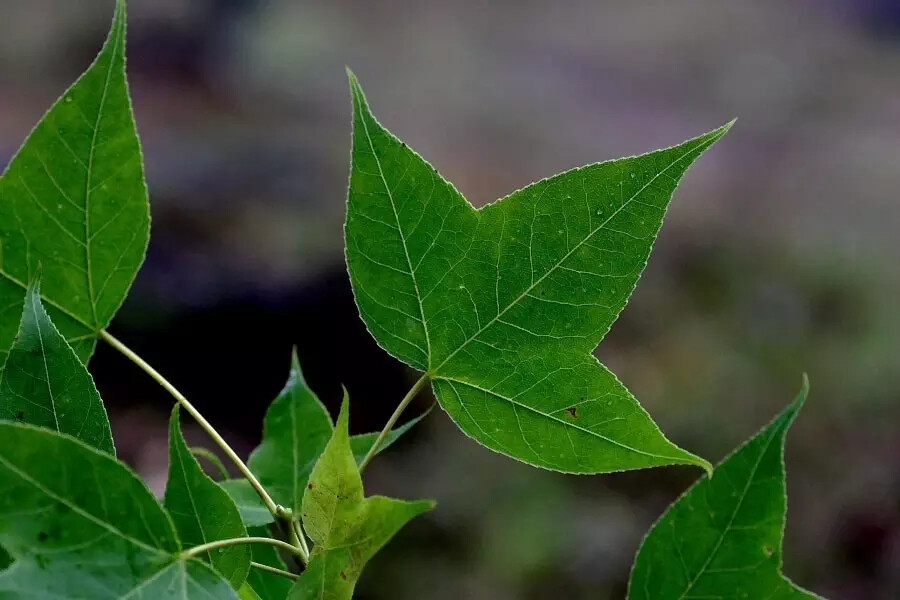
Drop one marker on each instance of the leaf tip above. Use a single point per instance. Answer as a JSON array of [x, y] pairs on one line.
[[343, 421]]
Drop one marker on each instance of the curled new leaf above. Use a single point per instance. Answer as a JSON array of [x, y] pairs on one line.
[[73, 202], [503, 306], [722, 538]]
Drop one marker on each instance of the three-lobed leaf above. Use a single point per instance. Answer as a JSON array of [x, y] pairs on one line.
[[202, 511], [347, 528], [723, 537], [80, 524], [45, 384], [503, 306], [73, 203]]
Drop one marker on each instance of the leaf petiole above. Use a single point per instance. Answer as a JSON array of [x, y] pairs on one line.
[[410, 395], [274, 570], [204, 548]]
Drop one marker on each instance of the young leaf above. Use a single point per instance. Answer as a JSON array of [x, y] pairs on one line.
[[73, 201], [201, 510], [80, 524], [253, 512], [267, 586], [503, 306], [247, 593], [296, 429], [347, 528], [362, 443], [44, 383], [722, 538]]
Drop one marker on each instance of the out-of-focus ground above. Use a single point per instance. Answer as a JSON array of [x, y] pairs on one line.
[[779, 255]]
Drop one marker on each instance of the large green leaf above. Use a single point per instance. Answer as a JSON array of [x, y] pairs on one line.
[[347, 528], [73, 201], [722, 538], [201, 510], [267, 586], [44, 383], [80, 524], [503, 306], [297, 427]]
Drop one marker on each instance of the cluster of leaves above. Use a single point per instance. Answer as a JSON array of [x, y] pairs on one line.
[[500, 308]]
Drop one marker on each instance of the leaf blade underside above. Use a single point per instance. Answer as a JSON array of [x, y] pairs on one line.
[[723, 537], [503, 306], [73, 203]]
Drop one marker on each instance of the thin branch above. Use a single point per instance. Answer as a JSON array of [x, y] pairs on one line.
[[274, 570], [274, 508], [204, 548]]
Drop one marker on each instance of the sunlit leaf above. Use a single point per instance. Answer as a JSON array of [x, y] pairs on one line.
[[722, 538], [201, 510], [73, 202], [503, 306]]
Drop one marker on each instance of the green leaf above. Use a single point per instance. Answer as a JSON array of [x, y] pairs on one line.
[[362, 443], [722, 538], [267, 586], [73, 201], [253, 512], [247, 593], [80, 524], [44, 383], [296, 429], [201, 510], [503, 306], [347, 528]]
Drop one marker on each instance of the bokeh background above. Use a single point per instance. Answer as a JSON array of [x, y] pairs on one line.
[[779, 255]]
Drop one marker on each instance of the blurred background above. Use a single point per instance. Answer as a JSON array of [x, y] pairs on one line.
[[779, 255]]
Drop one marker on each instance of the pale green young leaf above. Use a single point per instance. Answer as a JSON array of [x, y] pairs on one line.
[[267, 586], [347, 528], [253, 512], [202, 511], [43, 382], [722, 538], [80, 524], [503, 306], [73, 202], [246, 592], [296, 429]]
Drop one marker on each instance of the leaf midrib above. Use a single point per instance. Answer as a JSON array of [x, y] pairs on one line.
[[435, 370], [563, 422], [412, 273], [734, 513]]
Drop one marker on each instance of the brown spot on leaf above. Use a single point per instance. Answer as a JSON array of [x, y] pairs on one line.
[[573, 410], [310, 486]]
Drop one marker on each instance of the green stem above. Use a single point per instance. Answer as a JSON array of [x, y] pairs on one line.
[[416, 388], [211, 457], [297, 536], [274, 570], [208, 547], [218, 439]]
